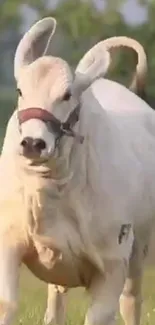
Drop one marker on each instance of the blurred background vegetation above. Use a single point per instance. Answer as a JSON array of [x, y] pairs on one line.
[[80, 25]]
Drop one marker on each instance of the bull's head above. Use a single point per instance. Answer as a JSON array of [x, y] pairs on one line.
[[48, 90]]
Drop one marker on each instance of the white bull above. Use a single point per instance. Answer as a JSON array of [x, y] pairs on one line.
[[68, 206]]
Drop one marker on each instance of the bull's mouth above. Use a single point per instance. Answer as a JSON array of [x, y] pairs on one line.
[[31, 156], [49, 166], [38, 162], [42, 164], [34, 160], [34, 156]]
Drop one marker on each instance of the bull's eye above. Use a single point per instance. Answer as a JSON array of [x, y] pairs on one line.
[[19, 92], [67, 95]]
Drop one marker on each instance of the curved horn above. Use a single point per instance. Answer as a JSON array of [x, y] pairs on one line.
[[96, 62], [34, 43]]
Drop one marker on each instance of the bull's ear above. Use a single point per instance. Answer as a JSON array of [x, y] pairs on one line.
[[92, 66], [34, 43], [96, 61]]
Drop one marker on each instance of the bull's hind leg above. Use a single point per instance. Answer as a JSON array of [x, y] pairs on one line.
[[130, 299], [56, 305]]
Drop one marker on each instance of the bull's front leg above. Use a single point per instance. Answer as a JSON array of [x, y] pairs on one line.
[[105, 292], [130, 300], [56, 305], [10, 257]]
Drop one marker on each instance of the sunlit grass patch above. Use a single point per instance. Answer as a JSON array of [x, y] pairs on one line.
[[33, 293]]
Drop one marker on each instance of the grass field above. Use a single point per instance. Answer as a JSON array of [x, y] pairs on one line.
[[33, 301]]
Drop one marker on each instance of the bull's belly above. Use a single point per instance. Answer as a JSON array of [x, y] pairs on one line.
[[62, 273]]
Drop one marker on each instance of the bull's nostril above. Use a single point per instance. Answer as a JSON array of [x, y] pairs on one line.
[[26, 142], [39, 144], [32, 146]]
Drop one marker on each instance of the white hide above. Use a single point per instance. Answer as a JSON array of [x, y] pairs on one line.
[[11, 145], [119, 129], [110, 184], [117, 157], [118, 150]]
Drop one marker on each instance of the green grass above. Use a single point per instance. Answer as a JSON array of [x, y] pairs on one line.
[[33, 301]]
